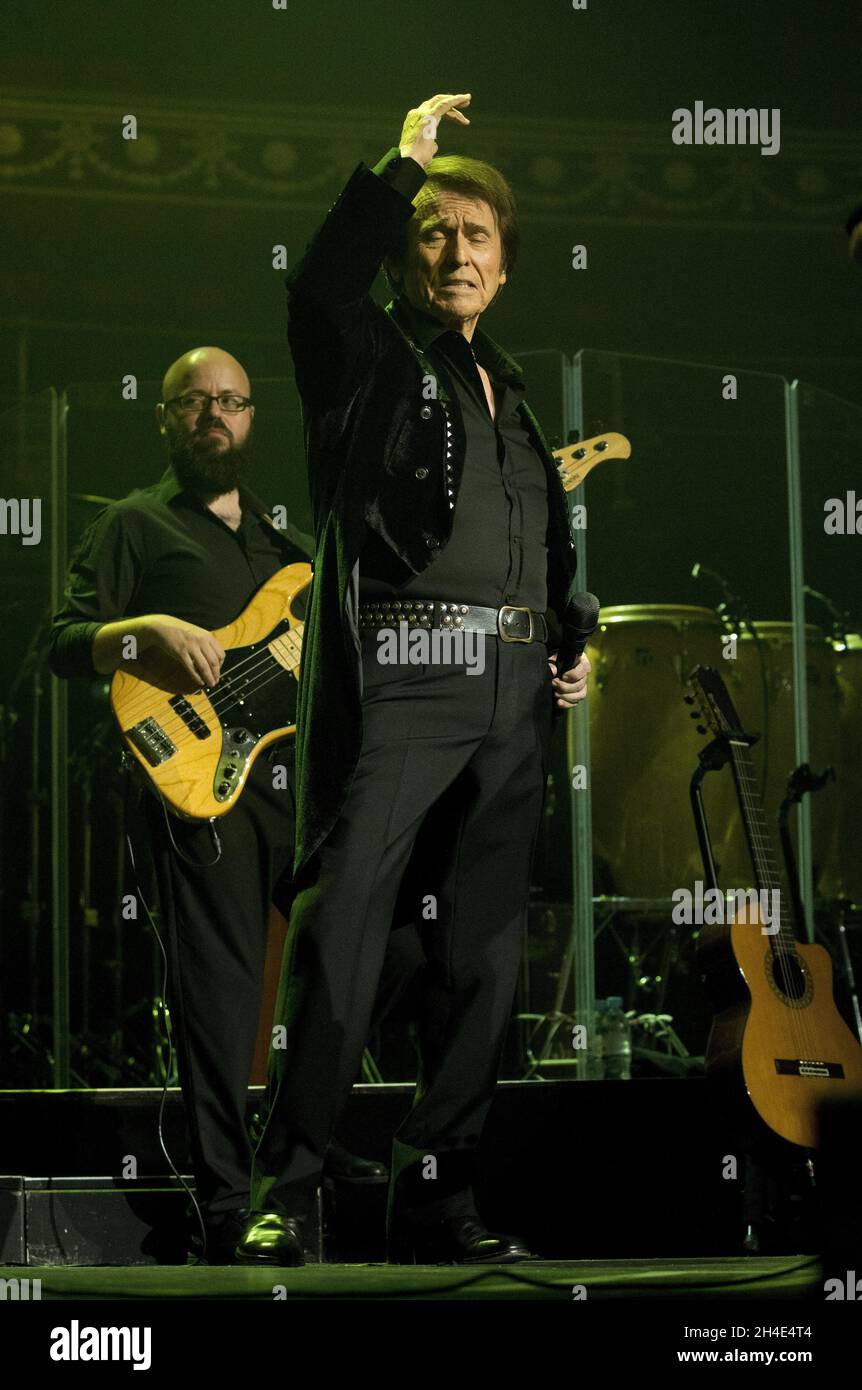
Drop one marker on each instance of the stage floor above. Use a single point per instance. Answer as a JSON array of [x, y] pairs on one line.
[[737, 1278]]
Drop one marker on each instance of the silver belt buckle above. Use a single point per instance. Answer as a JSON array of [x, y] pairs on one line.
[[513, 608]]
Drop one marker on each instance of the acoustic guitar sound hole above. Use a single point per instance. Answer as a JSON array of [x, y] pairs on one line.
[[789, 979]]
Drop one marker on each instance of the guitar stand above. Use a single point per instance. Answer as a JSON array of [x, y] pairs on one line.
[[777, 1195], [761, 1153], [710, 759], [753, 1201]]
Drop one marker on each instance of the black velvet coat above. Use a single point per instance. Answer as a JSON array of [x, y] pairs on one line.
[[370, 431]]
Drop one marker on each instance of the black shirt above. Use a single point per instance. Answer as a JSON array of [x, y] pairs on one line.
[[497, 552], [161, 550]]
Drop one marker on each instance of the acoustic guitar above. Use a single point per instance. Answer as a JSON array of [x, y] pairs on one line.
[[196, 746], [776, 1031]]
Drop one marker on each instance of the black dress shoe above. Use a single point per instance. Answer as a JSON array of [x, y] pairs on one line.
[[461, 1241], [344, 1166], [270, 1239], [223, 1230]]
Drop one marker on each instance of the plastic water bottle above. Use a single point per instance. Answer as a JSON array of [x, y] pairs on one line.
[[596, 1070], [616, 1040]]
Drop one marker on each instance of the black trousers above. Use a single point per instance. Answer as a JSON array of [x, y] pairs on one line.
[[216, 918], [471, 750]]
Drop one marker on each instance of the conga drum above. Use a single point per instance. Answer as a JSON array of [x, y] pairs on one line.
[[644, 747], [761, 684], [842, 876]]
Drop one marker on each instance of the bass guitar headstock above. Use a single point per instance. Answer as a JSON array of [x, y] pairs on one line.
[[576, 460]]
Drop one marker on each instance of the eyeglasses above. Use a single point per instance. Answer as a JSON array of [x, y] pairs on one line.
[[195, 401]]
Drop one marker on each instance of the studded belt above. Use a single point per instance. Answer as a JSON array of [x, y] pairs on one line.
[[511, 623]]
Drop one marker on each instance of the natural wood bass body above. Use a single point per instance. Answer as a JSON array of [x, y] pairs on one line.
[[197, 746]]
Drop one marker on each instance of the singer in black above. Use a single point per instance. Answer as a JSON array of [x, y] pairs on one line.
[[436, 503]]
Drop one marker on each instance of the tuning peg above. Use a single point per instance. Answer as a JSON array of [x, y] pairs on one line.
[[689, 699], [701, 729]]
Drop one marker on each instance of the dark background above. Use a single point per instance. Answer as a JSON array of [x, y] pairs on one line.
[[118, 256]]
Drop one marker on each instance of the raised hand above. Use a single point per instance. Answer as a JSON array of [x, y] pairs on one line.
[[419, 132]]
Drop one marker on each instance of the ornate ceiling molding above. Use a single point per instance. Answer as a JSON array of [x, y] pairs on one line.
[[577, 172]]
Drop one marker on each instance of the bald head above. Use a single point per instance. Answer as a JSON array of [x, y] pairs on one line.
[[208, 439], [208, 369]]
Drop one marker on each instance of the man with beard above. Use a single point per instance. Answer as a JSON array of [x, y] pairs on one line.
[[165, 565]]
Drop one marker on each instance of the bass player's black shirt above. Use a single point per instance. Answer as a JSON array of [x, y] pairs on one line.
[[161, 550]]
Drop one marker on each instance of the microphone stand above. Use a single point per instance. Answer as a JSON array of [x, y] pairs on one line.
[[842, 622], [32, 907]]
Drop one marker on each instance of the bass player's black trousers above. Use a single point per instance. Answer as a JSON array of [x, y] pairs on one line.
[[471, 750]]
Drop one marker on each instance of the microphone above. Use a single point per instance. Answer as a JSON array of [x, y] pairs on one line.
[[733, 608], [582, 618], [841, 621]]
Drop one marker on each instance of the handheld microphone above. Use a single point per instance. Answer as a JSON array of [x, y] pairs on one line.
[[582, 618]]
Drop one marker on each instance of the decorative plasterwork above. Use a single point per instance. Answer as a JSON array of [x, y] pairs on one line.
[[578, 171]]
